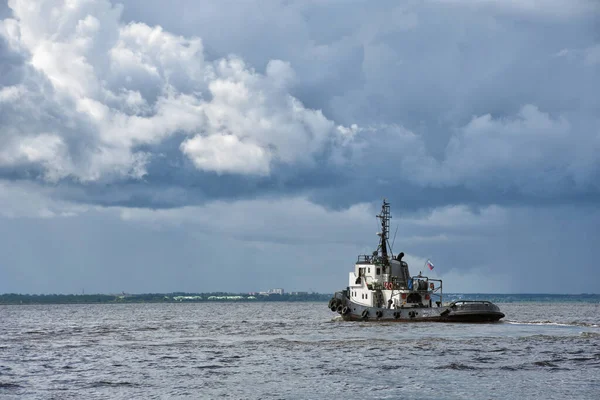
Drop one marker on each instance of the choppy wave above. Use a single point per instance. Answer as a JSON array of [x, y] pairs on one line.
[[458, 366], [287, 350], [112, 384], [591, 334], [9, 385]]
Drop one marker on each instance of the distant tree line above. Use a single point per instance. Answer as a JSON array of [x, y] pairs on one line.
[[177, 297]]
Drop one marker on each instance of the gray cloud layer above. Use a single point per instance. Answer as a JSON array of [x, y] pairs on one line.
[[437, 105]]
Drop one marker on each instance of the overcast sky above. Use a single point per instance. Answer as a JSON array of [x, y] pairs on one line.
[[238, 146]]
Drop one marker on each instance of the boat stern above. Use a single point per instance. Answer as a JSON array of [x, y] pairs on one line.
[[472, 311]]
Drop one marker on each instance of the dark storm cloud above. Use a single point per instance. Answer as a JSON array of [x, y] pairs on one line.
[[276, 115], [430, 69]]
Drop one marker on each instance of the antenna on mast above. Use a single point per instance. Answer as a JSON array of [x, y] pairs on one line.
[[393, 241], [385, 217]]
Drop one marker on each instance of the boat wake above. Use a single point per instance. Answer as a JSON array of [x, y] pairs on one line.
[[553, 323]]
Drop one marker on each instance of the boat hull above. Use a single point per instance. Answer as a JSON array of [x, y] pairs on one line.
[[463, 311]]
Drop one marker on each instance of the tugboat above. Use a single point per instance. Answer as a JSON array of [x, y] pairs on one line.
[[381, 289]]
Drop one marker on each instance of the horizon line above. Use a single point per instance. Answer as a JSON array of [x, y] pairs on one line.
[[290, 292]]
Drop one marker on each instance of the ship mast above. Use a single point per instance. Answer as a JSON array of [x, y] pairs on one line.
[[384, 216]]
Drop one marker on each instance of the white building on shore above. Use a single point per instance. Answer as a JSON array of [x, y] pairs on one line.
[[272, 291]]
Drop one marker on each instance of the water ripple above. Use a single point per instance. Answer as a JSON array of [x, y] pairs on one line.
[[291, 350]]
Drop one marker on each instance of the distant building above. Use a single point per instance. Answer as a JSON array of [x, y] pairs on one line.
[[187, 298], [272, 291], [225, 298], [299, 293]]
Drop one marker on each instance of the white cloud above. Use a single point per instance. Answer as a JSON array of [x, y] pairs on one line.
[[226, 153], [11, 93], [254, 115], [134, 85], [47, 150], [129, 85], [486, 145], [531, 152]]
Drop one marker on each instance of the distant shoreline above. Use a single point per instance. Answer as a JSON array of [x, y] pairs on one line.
[[180, 297], [13, 298]]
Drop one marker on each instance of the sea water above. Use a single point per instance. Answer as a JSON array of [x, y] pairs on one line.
[[279, 350]]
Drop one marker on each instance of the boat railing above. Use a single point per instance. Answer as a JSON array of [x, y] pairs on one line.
[[474, 305], [429, 286], [365, 259]]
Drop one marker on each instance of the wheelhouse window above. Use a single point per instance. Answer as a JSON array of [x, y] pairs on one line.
[[378, 271]]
